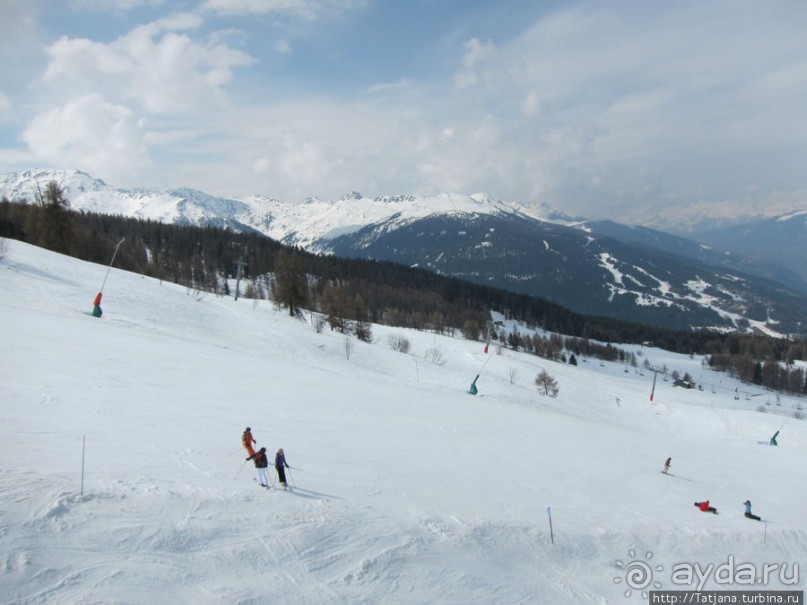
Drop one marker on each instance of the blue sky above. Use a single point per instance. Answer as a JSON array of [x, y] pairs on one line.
[[599, 108]]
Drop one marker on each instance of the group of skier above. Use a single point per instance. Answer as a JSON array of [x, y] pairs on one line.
[[262, 463], [706, 506]]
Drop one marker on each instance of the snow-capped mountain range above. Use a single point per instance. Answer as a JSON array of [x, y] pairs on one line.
[[309, 224], [596, 268]]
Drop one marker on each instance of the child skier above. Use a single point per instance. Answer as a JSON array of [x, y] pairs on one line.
[[247, 440], [261, 463], [748, 512], [280, 467]]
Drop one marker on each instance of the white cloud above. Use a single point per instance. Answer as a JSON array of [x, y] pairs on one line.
[[590, 107], [5, 105], [114, 5], [390, 87], [152, 65], [532, 105], [91, 134], [476, 53], [621, 104], [306, 9], [17, 159]]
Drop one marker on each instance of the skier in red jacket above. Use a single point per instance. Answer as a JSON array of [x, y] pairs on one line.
[[705, 507], [247, 440]]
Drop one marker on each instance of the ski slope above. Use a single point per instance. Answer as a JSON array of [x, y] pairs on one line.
[[408, 489]]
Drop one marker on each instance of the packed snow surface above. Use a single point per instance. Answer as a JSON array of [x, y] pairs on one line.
[[406, 489]]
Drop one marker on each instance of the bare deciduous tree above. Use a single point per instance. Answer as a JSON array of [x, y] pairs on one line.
[[547, 384], [398, 343], [435, 355], [319, 322]]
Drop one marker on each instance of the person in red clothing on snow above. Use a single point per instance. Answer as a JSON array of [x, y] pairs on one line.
[[706, 507], [247, 440]]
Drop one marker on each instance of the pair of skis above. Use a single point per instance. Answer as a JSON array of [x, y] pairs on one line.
[[287, 488]]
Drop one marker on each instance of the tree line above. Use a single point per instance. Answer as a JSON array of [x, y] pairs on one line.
[[351, 294]]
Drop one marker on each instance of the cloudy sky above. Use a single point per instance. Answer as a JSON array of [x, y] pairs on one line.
[[596, 107]]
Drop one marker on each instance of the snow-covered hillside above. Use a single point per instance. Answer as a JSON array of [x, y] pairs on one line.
[[408, 489]]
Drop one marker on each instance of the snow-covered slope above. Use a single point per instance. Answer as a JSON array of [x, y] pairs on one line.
[[408, 489]]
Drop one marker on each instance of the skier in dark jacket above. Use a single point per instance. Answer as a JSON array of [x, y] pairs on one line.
[[748, 512], [281, 466], [667, 465], [261, 464]]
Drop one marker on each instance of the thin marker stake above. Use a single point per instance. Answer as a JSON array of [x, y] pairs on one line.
[[549, 514], [83, 443]]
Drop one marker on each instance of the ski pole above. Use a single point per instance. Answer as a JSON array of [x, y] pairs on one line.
[[240, 469], [291, 476]]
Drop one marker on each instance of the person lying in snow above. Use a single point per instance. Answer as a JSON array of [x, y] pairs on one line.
[[705, 507]]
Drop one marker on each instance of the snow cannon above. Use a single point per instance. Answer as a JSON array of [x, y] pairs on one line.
[[96, 306], [473, 390]]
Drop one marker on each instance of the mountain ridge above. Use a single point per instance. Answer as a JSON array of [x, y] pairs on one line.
[[591, 267]]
